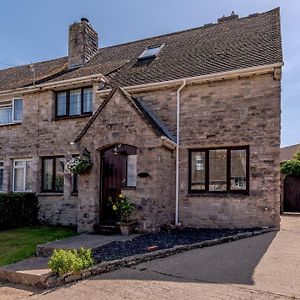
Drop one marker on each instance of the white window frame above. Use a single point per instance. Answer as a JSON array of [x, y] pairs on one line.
[[2, 168], [24, 179], [12, 105]]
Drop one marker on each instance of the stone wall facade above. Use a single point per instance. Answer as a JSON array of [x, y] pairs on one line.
[[234, 112], [238, 112]]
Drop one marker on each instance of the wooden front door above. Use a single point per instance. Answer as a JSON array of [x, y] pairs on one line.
[[291, 194], [113, 177]]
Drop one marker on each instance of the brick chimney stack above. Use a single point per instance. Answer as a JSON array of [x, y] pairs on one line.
[[83, 43]]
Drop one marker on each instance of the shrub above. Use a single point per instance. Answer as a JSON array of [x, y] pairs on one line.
[[18, 209], [65, 261], [297, 154], [291, 167]]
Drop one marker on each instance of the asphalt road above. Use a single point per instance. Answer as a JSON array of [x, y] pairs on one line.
[[262, 267]]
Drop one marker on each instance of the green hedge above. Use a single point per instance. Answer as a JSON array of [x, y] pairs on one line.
[[18, 209], [291, 167]]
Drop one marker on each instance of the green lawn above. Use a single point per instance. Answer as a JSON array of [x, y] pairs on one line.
[[17, 244]]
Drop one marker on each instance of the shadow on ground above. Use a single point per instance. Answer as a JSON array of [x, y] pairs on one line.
[[234, 262]]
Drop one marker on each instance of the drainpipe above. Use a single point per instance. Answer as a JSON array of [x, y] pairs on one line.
[[177, 152]]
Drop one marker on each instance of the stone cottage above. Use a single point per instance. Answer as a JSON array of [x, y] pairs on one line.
[[187, 125]]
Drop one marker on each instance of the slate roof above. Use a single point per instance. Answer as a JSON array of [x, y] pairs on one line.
[[145, 113], [288, 152], [228, 45]]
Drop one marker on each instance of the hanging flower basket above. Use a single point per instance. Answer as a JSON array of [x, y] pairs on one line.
[[79, 164]]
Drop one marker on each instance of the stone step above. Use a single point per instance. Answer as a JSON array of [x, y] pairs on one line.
[[106, 229], [32, 271]]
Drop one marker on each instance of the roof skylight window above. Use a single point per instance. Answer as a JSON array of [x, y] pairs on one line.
[[150, 52]]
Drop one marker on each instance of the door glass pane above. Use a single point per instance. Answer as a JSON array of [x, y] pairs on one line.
[[6, 115], [75, 102], [238, 169], [19, 179], [48, 174], [218, 170], [88, 100], [28, 179], [18, 109], [198, 171], [131, 170], [59, 178], [61, 104]]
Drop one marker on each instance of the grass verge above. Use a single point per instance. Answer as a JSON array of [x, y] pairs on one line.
[[18, 244]]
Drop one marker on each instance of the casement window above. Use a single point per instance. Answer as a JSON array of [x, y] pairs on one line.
[[74, 102], [11, 111], [53, 174], [22, 175], [219, 170], [74, 179], [1, 175], [131, 170]]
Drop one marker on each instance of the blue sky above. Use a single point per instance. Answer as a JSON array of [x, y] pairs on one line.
[[35, 30]]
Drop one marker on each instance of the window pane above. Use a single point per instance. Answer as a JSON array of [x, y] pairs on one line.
[[19, 179], [19, 163], [18, 109], [217, 170], [198, 171], [131, 170], [61, 104], [59, 176], [75, 183], [48, 174], [88, 100], [75, 102], [238, 169], [150, 52], [6, 115], [28, 179], [1, 175]]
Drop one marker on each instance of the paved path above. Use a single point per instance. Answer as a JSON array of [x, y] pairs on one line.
[[262, 267]]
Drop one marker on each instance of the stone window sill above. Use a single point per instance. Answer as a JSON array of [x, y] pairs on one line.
[[129, 188], [50, 194], [11, 124], [218, 195], [72, 117]]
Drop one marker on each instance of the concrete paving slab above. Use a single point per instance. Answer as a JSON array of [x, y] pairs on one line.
[[88, 241], [240, 270]]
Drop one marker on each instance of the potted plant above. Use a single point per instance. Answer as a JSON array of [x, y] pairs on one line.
[[80, 164], [124, 208]]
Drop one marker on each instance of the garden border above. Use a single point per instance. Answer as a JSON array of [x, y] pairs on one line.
[[51, 280]]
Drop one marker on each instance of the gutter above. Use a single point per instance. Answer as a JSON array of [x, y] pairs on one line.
[[259, 70], [50, 85], [177, 151], [168, 143]]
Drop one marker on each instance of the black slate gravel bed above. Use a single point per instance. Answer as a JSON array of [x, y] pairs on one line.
[[164, 240]]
